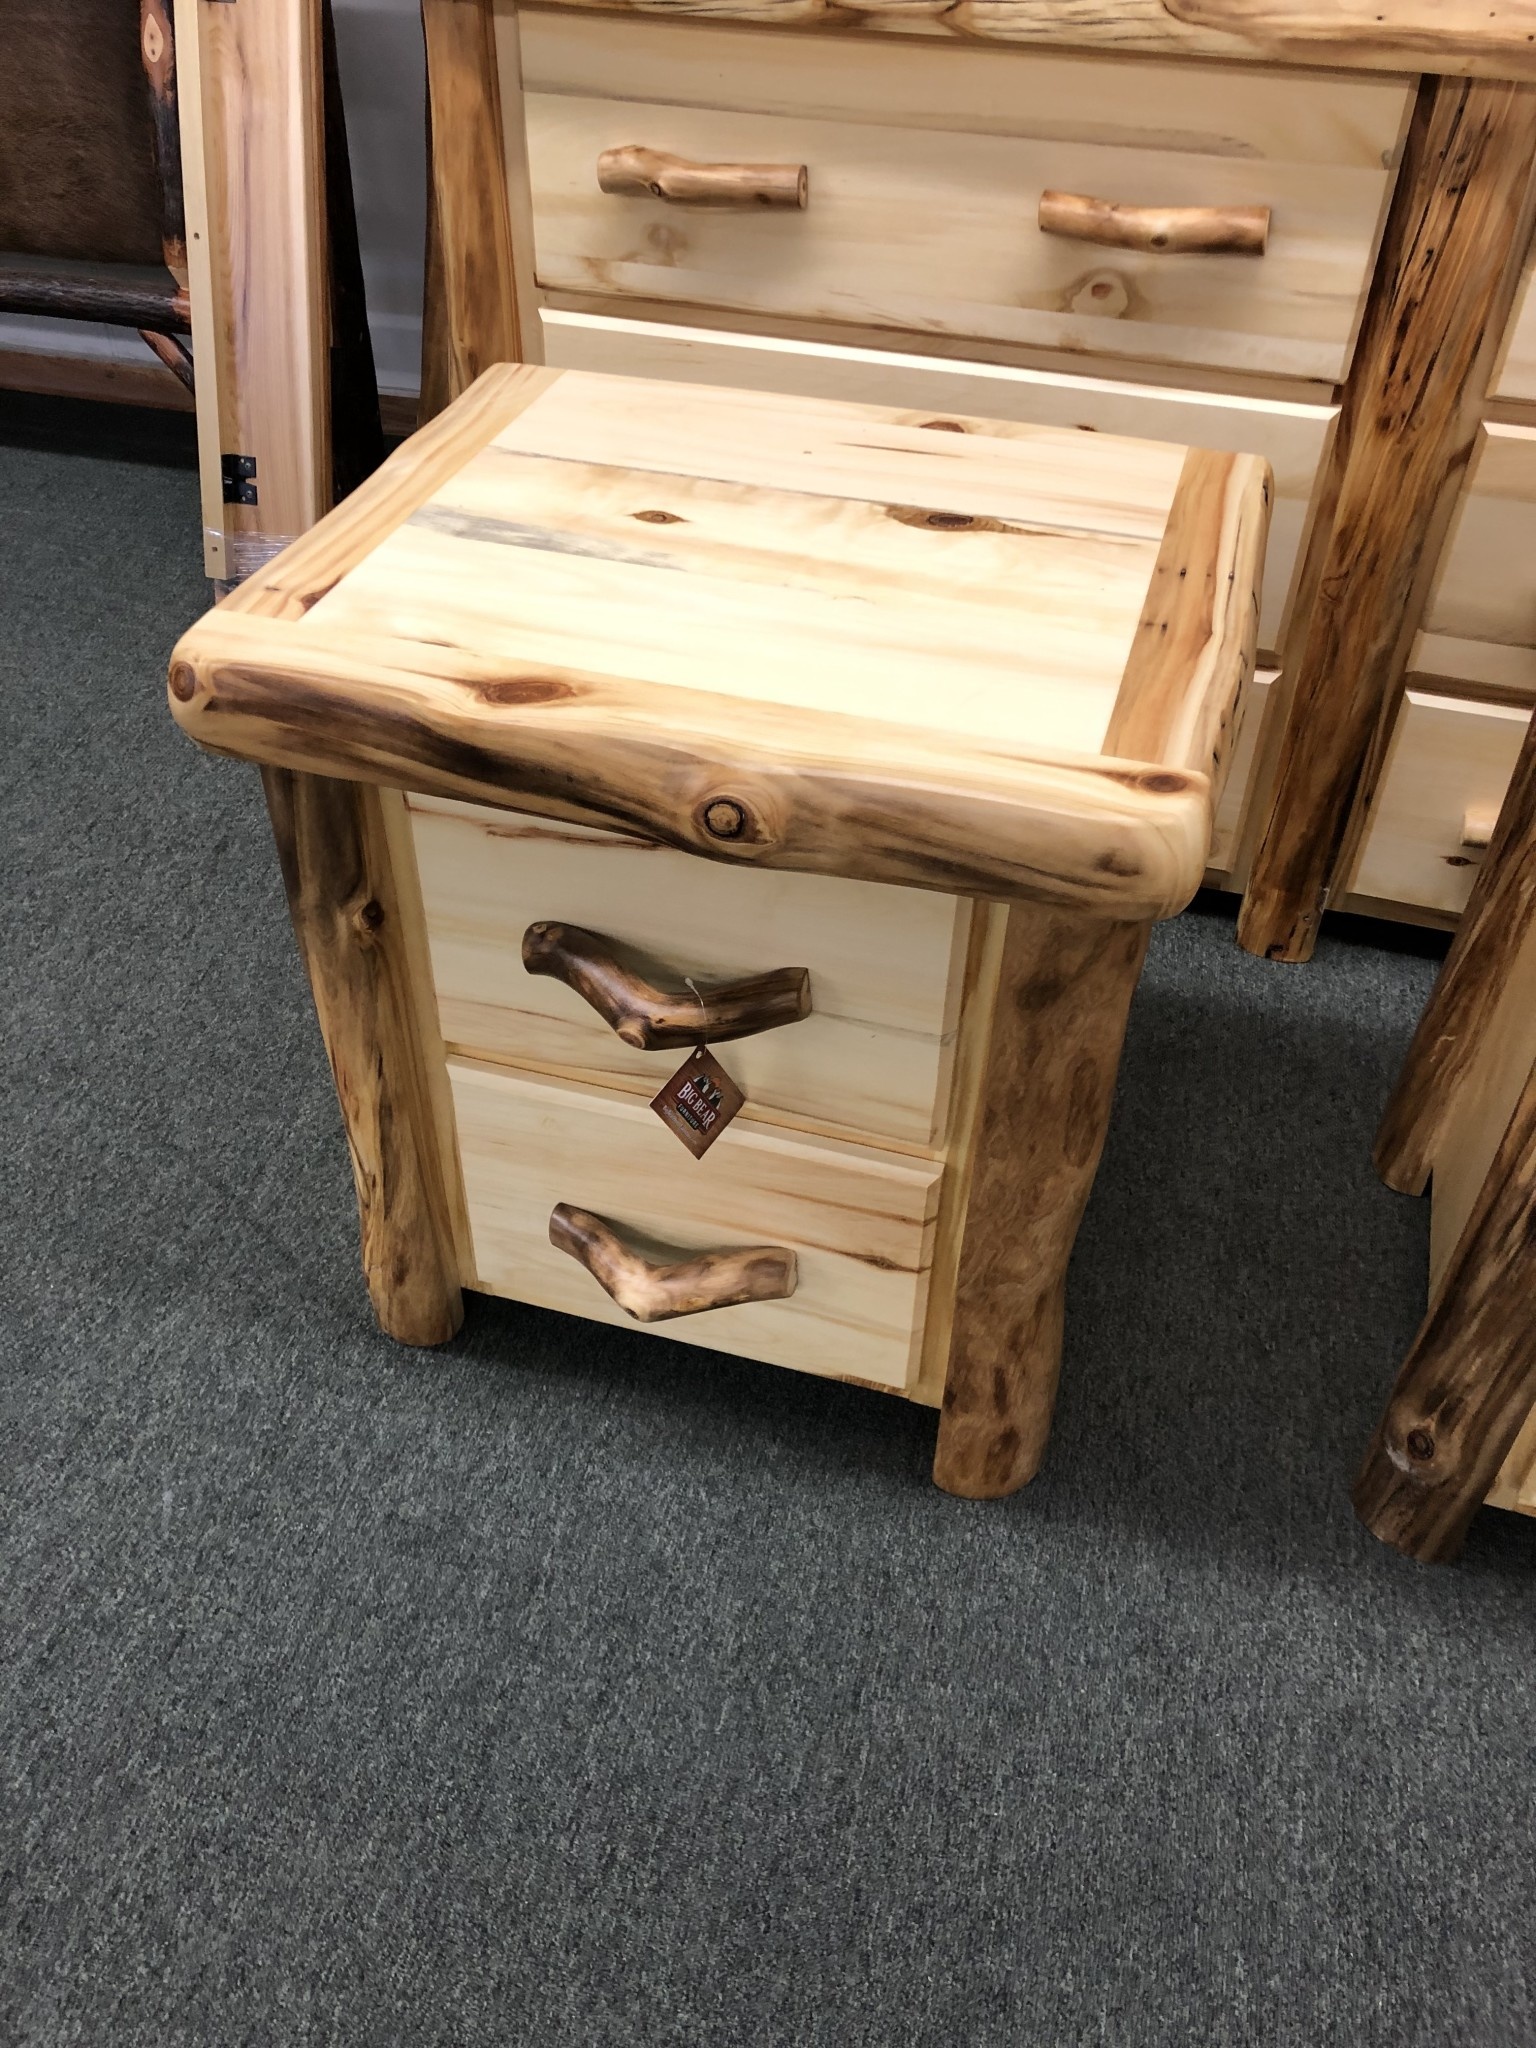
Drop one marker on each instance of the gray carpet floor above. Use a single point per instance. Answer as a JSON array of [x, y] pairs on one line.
[[576, 1687]]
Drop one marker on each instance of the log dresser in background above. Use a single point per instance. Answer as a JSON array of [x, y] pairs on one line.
[[865, 740]]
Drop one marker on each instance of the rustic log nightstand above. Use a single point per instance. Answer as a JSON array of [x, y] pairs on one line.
[[864, 744]]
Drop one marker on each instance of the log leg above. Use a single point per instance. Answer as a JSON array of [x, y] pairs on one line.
[[1449, 269], [332, 841], [1063, 995], [1468, 1385], [1493, 934]]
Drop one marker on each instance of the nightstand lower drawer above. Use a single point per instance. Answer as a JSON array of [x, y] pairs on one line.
[[860, 1223]]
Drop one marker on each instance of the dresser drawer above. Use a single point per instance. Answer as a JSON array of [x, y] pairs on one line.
[[886, 965], [859, 1223], [1292, 437], [926, 169], [1445, 778], [1486, 585]]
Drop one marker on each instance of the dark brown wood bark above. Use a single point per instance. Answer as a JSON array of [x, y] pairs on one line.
[[654, 1285], [157, 47], [1445, 285], [1495, 930], [1469, 1383], [1063, 997], [127, 294], [347, 918]]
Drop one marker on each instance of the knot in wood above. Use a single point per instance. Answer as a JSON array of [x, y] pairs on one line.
[[725, 818], [183, 683], [371, 915], [1421, 1446]]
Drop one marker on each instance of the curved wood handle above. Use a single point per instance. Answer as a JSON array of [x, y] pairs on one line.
[[640, 173], [651, 1019], [653, 1290], [1172, 230]]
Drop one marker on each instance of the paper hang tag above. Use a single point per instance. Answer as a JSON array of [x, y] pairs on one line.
[[699, 1101]]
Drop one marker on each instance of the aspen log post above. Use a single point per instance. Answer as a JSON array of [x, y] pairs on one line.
[[1468, 1385], [1495, 930], [346, 915], [1448, 273], [471, 318], [1063, 996]]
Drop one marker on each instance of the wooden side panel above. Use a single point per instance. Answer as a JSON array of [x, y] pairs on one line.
[[872, 1057], [252, 123], [860, 1223], [911, 227], [1292, 436]]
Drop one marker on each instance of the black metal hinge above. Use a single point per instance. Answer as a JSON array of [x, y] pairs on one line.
[[239, 479]]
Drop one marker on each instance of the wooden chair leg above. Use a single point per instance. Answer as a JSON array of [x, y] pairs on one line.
[[333, 844], [1493, 934], [1469, 1383], [1063, 997]]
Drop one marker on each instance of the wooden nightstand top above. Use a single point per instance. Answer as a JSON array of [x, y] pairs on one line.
[[969, 654]]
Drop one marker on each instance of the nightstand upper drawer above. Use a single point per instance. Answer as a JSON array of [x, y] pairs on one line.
[[886, 966], [926, 169]]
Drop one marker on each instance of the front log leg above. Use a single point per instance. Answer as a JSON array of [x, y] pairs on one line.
[[1063, 995], [333, 843]]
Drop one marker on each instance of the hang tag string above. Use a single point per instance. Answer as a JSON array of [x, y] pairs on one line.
[[689, 983]]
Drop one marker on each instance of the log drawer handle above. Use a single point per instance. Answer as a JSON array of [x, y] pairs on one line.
[[650, 1018], [653, 1290], [1158, 230], [635, 172]]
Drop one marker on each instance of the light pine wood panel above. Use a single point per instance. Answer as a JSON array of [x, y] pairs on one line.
[[1465, 39], [931, 224], [253, 166], [1226, 833], [1486, 586], [423, 677], [859, 1222], [1449, 763], [874, 1055], [1516, 377], [1291, 436], [1495, 673]]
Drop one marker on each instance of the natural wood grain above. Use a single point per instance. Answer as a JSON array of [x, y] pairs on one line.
[[1468, 1385], [859, 1221], [635, 172], [333, 845], [873, 1056], [471, 318], [656, 1289], [1448, 757], [1493, 36], [1408, 423], [157, 48], [102, 379], [941, 737], [927, 167], [1065, 987], [1170, 230], [1485, 588], [1238, 790], [1291, 435], [171, 351], [1201, 618], [1463, 37], [651, 1018], [123, 293], [253, 162], [1497, 930]]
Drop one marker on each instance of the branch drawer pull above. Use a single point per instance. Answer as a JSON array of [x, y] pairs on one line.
[[1176, 230], [639, 173], [653, 1290], [651, 1019]]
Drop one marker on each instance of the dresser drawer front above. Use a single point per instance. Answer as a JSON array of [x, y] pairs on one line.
[[1293, 438], [860, 1223], [926, 170], [1486, 586], [1445, 778], [886, 966]]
